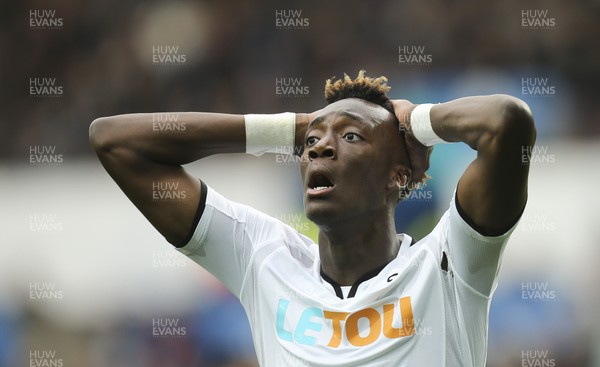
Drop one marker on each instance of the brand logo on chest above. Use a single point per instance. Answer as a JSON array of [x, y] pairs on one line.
[[359, 328]]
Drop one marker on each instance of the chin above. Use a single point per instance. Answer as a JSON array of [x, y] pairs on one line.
[[324, 213], [320, 214]]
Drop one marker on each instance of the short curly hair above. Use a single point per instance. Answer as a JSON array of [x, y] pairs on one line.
[[363, 87], [373, 90]]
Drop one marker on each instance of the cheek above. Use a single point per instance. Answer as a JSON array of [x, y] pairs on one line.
[[377, 178], [303, 161], [372, 165], [367, 173]]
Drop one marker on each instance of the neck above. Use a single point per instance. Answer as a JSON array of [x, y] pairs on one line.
[[350, 249]]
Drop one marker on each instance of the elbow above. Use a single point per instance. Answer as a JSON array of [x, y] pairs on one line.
[[100, 133], [515, 125]]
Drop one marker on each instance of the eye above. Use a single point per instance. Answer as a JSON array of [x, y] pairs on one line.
[[352, 137], [311, 140]]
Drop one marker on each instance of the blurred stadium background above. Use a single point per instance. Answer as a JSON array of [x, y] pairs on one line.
[[86, 281]]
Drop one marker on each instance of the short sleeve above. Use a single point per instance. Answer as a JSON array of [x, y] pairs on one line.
[[226, 237], [475, 258]]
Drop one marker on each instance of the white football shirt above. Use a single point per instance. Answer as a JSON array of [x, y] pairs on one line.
[[427, 307]]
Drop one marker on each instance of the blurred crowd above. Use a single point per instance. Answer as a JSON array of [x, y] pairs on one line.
[[217, 336]]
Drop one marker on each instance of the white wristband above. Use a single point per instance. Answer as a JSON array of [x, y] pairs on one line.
[[270, 133], [420, 125]]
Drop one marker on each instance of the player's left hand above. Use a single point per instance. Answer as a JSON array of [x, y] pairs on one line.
[[418, 153]]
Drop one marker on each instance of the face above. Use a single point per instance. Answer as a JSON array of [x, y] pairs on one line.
[[352, 161]]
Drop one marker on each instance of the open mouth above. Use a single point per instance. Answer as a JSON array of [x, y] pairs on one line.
[[319, 183]]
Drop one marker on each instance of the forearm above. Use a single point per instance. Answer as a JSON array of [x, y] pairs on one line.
[[176, 138], [479, 120]]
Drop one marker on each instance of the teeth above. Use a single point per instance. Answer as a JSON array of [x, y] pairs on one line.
[[321, 188]]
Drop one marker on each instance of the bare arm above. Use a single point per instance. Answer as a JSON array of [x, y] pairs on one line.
[[493, 190], [145, 156]]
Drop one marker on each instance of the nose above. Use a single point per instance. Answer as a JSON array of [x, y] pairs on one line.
[[322, 149]]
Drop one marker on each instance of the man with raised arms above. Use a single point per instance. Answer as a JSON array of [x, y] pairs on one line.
[[365, 295]]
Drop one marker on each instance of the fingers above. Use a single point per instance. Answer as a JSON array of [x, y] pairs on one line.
[[417, 152], [419, 158], [402, 110]]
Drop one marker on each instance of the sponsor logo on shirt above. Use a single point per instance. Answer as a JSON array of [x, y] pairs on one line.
[[308, 326]]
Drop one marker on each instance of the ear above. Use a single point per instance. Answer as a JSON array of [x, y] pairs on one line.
[[399, 178]]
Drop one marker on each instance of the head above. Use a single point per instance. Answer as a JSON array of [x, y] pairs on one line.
[[355, 162]]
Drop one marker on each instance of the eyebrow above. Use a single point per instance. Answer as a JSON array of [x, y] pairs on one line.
[[350, 115], [317, 120]]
